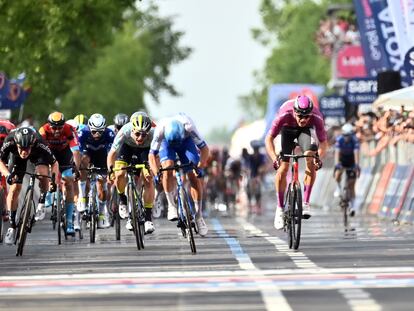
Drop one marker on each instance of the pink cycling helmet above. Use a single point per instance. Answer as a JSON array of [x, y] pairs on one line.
[[303, 105]]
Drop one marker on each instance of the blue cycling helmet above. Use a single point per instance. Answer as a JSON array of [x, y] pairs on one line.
[[174, 132]]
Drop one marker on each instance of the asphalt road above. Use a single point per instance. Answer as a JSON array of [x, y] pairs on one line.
[[243, 264]]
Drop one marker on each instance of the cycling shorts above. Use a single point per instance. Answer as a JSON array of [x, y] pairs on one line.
[[187, 152], [302, 135], [97, 158], [65, 159]]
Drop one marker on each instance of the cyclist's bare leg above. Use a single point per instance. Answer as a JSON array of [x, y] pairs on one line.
[[85, 160], [168, 182], [148, 197], [196, 192], [43, 181], [280, 181], [310, 174], [69, 185], [120, 177], [12, 201]]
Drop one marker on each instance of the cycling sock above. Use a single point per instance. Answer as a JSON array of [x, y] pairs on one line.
[[69, 213], [307, 193], [13, 219], [42, 197], [170, 198], [102, 207], [82, 189], [148, 213], [280, 198], [122, 198], [197, 206]]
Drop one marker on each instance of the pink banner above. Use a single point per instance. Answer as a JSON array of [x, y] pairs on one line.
[[350, 62]]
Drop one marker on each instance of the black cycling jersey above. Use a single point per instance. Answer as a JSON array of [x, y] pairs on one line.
[[40, 153]]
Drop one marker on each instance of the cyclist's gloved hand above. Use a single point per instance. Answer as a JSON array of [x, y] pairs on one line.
[[111, 173], [318, 164], [77, 173], [52, 187], [200, 173], [10, 179], [338, 166], [157, 179], [276, 164], [357, 169]]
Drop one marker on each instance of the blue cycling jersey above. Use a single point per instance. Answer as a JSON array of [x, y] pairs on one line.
[[88, 143], [345, 146]]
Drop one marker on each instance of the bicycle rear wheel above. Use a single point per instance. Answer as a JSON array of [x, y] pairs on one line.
[[141, 221], [2, 213], [296, 220], [188, 221], [58, 216], [134, 219], [116, 219], [92, 222], [24, 222]]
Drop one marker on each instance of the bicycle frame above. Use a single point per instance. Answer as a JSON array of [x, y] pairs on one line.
[[92, 216], [135, 203], [28, 211], [186, 211]]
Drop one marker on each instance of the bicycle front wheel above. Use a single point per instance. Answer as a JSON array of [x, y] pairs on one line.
[[134, 219], [24, 223], [116, 219], [188, 221], [296, 212]]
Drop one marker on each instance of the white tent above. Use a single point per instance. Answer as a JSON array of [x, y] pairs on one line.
[[244, 135], [396, 99]]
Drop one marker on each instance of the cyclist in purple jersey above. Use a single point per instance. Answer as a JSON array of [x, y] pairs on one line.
[[294, 121]]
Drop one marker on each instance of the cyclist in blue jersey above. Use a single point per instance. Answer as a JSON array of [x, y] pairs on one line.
[[347, 158], [95, 141], [178, 136]]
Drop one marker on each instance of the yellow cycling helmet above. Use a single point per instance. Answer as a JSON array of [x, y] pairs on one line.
[[141, 122], [81, 119]]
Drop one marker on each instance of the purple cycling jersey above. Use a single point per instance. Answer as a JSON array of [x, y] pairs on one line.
[[286, 117]]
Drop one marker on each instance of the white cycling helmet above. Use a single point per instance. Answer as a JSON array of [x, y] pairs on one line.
[[347, 129], [97, 122]]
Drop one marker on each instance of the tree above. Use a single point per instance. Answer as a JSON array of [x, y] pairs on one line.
[[137, 62], [58, 42], [289, 31]]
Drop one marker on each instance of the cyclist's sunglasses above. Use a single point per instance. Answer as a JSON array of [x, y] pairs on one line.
[[27, 149], [57, 128], [140, 134], [301, 116], [97, 132]]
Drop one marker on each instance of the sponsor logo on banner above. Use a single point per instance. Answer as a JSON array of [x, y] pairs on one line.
[[374, 50], [378, 37], [361, 90], [409, 65], [350, 62], [332, 106]]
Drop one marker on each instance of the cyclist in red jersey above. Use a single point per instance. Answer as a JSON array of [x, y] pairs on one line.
[[63, 141], [294, 121]]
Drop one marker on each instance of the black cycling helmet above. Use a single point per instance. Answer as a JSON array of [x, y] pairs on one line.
[[120, 120], [56, 119], [25, 137]]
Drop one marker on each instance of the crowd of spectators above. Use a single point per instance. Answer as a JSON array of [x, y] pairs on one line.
[[334, 33], [385, 128]]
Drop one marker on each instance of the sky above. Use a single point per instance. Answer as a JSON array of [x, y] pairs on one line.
[[220, 69]]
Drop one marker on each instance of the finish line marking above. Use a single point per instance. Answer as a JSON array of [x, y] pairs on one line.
[[272, 296]]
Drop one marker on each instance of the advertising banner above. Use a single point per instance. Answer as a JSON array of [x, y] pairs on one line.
[[371, 38], [332, 106], [350, 62], [409, 65], [361, 90]]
